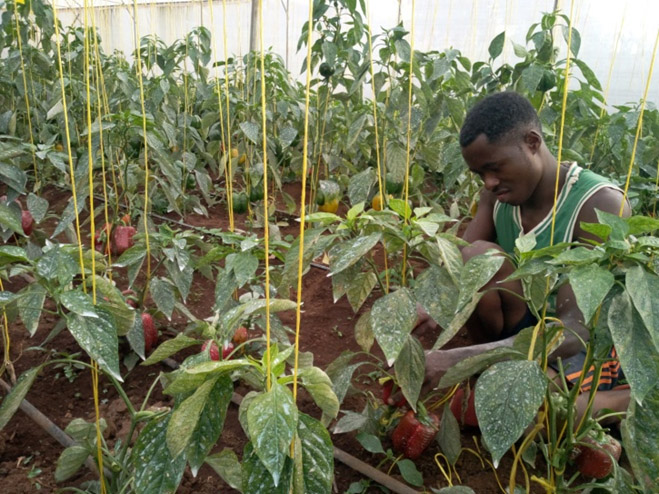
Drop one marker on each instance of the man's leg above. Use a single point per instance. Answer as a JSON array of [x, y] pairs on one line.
[[499, 311]]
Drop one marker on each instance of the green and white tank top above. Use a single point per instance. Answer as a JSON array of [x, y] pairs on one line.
[[579, 186]]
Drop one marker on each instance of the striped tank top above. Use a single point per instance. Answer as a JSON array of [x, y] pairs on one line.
[[579, 186]]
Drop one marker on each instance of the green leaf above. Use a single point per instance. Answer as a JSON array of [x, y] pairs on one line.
[[457, 489], [410, 473], [496, 46], [10, 219], [79, 303], [410, 367], [317, 455], [57, 265], [13, 399], [475, 364], [30, 306], [155, 470], [476, 272], [355, 130], [163, 295], [341, 374], [209, 424], [525, 243], [635, 349], [364, 332], [360, 185], [350, 421], [185, 416], [640, 433], [359, 288], [225, 285], [590, 284], [438, 294], [38, 207], [256, 478], [448, 436], [639, 225], [70, 461], [11, 254], [243, 265], [393, 317], [170, 347], [459, 320], [619, 227], [643, 288], [508, 396], [272, 421], [451, 257], [319, 386], [226, 465], [252, 131], [343, 255], [98, 337], [370, 442], [531, 77]]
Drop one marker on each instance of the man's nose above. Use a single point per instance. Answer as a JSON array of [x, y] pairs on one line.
[[490, 181]]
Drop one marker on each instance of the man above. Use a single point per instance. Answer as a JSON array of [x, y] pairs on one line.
[[502, 143]]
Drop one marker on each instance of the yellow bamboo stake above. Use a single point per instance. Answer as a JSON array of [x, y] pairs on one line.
[[406, 185], [90, 170], [266, 226], [65, 110], [27, 101], [608, 84], [146, 147], [305, 144], [639, 126], [377, 138], [229, 173], [227, 151]]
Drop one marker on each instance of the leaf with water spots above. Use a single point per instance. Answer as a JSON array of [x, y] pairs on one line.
[[393, 317], [345, 254], [640, 433], [257, 479], [98, 337], [635, 349], [271, 423], [508, 396], [156, 472]]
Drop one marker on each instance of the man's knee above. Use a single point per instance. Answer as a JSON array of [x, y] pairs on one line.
[[477, 248]]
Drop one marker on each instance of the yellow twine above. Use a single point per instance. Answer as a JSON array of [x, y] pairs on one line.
[[146, 147], [639, 126], [229, 174], [6, 364], [27, 100], [608, 84], [562, 125], [406, 185], [81, 260], [227, 150], [266, 226], [99, 82], [377, 138], [90, 168], [446, 475]]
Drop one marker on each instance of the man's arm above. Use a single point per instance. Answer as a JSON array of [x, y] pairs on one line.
[[482, 226]]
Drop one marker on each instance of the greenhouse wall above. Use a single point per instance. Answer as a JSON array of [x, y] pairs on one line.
[[615, 36]]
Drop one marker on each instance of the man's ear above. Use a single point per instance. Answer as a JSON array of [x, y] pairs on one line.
[[533, 140]]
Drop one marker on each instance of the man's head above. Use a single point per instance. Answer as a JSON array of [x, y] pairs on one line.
[[502, 142], [499, 116]]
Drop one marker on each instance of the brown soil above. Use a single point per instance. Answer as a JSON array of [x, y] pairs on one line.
[[28, 455]]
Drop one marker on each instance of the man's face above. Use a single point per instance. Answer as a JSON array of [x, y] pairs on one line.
[[511, 169]]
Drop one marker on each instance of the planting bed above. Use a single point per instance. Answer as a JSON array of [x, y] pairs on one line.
[[28, 454]]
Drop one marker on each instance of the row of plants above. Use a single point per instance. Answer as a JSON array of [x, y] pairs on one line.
[[195, 146]]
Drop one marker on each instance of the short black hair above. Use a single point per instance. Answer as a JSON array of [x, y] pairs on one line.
[[497, 115]]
